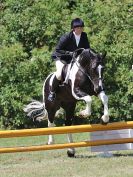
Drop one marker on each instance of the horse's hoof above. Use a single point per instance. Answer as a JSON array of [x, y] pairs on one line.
[[50, 143], [71, 153], [103, 123], [104, 119]]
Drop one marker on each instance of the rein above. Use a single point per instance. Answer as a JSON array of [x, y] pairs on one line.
[[74, 59], [81, 69]]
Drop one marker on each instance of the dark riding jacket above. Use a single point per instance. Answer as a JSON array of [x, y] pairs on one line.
[[67, 42]]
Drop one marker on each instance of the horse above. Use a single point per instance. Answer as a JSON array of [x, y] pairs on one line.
[[85, 79]]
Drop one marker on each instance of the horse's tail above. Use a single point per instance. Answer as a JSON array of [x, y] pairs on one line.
[[36, 110]]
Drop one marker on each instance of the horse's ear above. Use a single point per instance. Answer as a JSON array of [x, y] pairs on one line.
[[103, 55]]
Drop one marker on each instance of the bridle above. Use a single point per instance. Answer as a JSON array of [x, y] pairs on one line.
[[82, 70], [75, 60]]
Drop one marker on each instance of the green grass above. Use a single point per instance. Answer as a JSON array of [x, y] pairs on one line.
[[55, 163]]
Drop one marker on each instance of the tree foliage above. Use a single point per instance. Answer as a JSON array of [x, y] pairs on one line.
[[29, 32]]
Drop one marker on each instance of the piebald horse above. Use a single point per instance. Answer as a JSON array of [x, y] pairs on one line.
[[85, 80]]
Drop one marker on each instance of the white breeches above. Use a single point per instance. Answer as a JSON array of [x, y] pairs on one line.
[[59, 66]]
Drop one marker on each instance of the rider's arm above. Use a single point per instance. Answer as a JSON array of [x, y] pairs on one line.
[[61, 48]]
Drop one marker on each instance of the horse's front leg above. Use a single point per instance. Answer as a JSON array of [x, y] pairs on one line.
[[80, 95], [87, 111], [104, 99]]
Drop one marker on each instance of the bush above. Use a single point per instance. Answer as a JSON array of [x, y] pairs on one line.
[[21, 80]]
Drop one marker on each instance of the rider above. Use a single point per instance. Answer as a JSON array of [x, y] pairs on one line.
[[68, 43]]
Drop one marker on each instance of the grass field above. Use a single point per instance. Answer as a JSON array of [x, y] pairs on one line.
[[56, 163]]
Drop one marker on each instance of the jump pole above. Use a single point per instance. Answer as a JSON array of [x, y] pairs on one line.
[[65, 129], [67, 145]]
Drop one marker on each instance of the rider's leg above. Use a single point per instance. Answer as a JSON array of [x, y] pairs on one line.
[[59, 66], [56, 80], [68, 72]]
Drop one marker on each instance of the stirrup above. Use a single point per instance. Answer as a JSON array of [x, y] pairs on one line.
[[52, 96]]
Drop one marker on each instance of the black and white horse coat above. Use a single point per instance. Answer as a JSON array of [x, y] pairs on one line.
[[85, 80]]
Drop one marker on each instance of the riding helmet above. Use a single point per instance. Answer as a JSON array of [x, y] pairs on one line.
[[77, 22]]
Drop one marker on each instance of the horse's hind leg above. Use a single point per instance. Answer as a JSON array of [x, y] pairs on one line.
[[51, 116], [69, 109]]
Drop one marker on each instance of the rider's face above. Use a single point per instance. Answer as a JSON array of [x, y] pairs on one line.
[[78, 30]]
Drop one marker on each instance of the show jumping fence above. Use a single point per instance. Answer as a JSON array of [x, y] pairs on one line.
[[64, 130]]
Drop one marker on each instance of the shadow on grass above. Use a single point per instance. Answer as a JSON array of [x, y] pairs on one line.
[[123, 155], [85, 156], [115, 155]]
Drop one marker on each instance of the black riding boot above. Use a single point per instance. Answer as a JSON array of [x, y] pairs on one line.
[[55, 85]]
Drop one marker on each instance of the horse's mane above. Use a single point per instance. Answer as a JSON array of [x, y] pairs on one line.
[[84, 57], [88, 53]]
